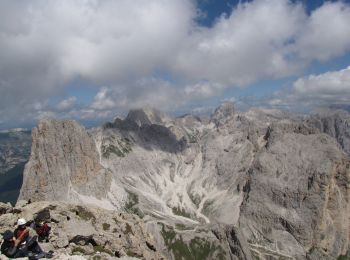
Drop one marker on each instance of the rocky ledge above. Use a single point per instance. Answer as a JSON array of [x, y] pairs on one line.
[[80, 232]]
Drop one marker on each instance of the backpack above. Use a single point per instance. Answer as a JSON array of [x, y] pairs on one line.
[[43, 231]]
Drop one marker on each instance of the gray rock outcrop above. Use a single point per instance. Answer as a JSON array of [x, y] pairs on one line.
[[88, 232], [64, 161], [334, 123]]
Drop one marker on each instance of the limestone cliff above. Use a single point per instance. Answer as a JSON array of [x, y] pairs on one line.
[[64, 162]]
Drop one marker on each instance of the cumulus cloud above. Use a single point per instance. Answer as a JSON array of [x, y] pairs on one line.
[[326, 33], [67, 104], [265, 39], [152, 52], [103, 100], [250, 44], [46, 44], [330, 89]]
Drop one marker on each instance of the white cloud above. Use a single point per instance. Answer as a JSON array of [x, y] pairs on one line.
[[123, 44], [46, 44], [103, 100], [250, 44], [67, 104], [330, 89], [326, 33], [203, 90]]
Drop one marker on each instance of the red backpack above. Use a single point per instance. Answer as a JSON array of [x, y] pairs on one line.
[[43, 230]]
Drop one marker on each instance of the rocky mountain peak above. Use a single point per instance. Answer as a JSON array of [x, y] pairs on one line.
[[146, 116], [64, 161], [223, 114]]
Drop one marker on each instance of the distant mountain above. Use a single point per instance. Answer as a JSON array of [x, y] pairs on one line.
[[264, 184], [15, 145]]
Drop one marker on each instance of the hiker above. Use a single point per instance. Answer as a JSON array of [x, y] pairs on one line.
[[22, 231], [10, 246], [22, 235], [42, 229]]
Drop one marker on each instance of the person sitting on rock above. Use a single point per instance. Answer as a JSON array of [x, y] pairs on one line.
[[42, 229], [22, 231], [22, 234], [10, 246]]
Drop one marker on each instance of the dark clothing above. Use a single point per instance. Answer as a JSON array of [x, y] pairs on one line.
[[42, 229], [8, 248], [29, 246]]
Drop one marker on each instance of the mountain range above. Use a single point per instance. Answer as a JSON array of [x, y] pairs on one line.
[[264, 184]]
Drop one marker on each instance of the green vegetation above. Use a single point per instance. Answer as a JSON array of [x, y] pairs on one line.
[[10, 184], [131, 205], [133, 254], [78, 251], [180, 226], [193, 136], [181, 212], [84, 213], [122, 148], [195, 198], [343, 257], [111, 149], [202, 249], [133, 200], [208, 207], [102, 250], [106, 226], [255, 256], [128, 229], [197, 248]]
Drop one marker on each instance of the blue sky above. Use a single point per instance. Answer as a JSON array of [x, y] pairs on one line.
[[212, 10], [93, 60]]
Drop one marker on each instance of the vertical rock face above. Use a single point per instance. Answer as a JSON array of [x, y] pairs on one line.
[[64, 162], [298, 195], [335, 124]]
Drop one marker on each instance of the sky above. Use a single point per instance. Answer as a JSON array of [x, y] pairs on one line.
[[92, 60]]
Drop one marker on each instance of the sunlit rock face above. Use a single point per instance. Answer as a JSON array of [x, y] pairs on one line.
[[64, 164], [280, 179]]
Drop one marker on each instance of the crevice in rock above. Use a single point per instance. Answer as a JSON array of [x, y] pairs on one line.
[[83, 240]]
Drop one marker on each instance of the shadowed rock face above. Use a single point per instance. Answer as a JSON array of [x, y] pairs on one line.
[[64, 161], [334, 123], [277, 178], [297, 192]]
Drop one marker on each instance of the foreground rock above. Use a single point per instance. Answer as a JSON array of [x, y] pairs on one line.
[[86, 231]]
